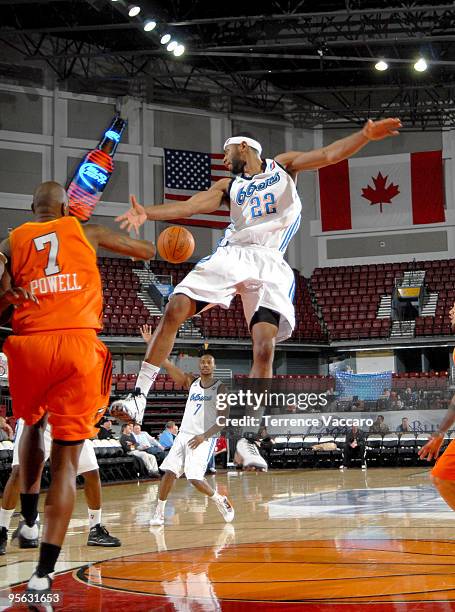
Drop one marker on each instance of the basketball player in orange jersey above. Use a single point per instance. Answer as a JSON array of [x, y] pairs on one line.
[[265, 214], [443, 473], [58, 369]]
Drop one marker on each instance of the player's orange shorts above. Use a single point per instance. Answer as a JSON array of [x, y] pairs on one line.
[[66, 374], [445, 465]]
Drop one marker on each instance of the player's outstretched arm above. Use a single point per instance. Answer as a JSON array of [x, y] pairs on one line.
[[178, 375], [202, 202], [432, 447], [100, 236], [295, 161]]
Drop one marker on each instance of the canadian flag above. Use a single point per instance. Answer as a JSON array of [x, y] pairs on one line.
[[386, 191]]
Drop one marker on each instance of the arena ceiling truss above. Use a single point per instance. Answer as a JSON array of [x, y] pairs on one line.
[[304, 62]]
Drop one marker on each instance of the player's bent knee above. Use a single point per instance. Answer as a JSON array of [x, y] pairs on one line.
[[177, 311], [195, 481], [263, 351]]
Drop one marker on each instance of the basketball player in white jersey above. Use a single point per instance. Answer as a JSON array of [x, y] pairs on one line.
[[27, 537], [265, 215], [195, 443]]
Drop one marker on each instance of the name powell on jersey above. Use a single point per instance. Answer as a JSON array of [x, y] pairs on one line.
[[253, 187], [58, 283]]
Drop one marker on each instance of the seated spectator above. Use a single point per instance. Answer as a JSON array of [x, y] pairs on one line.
[[404, 427], [105, 432], [354, 447], [379, 426], [149, 444], [129, 446], [167, 436], [6, 432], [409, 397]]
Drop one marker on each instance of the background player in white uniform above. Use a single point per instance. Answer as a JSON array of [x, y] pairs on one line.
[[87, 467], [265, 213], [195, 442]]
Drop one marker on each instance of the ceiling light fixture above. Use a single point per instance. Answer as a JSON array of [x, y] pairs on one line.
[[179, 50], [134, 10], [420, 65], [149, 25], [381, 65]]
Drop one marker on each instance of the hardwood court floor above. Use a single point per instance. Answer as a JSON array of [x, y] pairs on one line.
[[301, 540]]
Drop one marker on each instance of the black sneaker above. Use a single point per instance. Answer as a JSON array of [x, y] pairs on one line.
[[100, 536], [3, 539], [24, 542]]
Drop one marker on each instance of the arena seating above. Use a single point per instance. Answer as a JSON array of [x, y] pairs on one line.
[[439, 278], [124, 311], [392, 449], [349, 297], [336, 303]]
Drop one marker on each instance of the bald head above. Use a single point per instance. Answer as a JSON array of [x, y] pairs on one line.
[[50, 199]]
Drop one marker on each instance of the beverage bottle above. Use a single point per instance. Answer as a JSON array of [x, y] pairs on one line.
[[94, 172]]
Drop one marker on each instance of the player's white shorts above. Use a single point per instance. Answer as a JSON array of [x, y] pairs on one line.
[[259, 274], [87, 458], [181, 458]]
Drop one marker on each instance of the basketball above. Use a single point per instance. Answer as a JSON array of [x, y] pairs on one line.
[[175, 244]]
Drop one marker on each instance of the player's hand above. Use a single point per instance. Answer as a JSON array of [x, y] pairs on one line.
[[133, 218], [17, 296], [432, 447], [377, 130], [196, 441], [146, 332]]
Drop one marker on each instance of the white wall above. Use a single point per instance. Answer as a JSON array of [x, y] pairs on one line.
[[56, 130], [369, 362]]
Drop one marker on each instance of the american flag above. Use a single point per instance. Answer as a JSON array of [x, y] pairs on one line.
[[186, 173]]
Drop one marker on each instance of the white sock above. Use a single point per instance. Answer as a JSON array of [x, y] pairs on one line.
[[5, 517], [160, 505], [94, 517], [146, 377], [216, 497]]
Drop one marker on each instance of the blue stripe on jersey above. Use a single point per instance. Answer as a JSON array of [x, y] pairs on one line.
[[292, 290], [289, 230], [295, 228], [289, 234]]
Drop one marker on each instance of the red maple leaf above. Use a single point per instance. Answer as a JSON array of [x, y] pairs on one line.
[[380, 194]]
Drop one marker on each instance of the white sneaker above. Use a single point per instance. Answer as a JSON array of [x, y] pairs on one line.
[[130, 408], [226, 509], [342, 468], [40, 586], [157, 519], [250, 456], [364, 466]]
